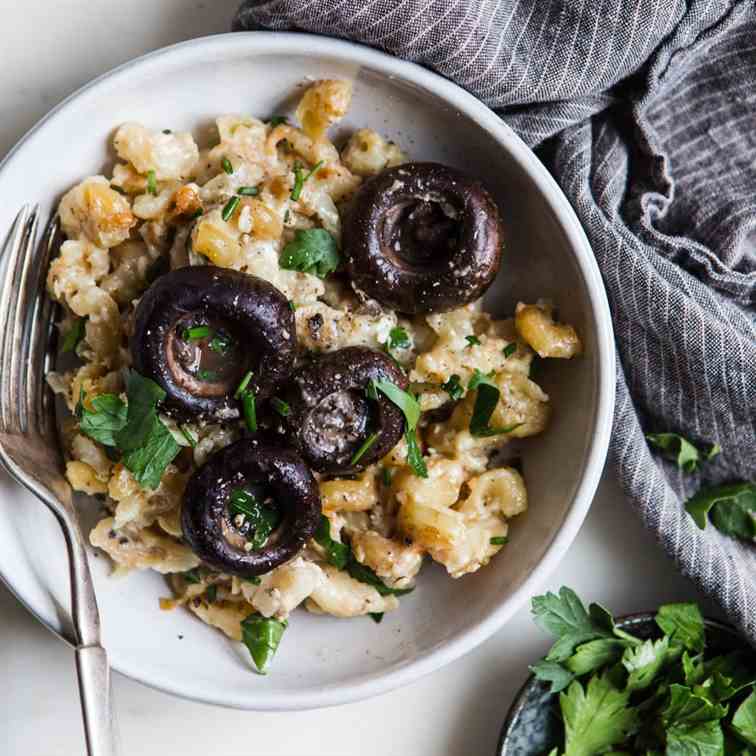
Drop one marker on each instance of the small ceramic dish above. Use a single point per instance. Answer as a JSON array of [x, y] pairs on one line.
[[327, 661], [533, 726]]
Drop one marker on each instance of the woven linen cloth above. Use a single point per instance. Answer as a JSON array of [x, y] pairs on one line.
[[645, 112]]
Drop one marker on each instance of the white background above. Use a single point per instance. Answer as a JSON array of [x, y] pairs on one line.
[[47, 50]]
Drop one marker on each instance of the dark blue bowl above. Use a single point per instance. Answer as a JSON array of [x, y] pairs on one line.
[[533, 725]]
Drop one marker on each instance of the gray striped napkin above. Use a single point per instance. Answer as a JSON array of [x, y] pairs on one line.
[[645, 112]]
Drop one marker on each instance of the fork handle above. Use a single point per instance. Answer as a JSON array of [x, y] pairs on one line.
[[94, 686]]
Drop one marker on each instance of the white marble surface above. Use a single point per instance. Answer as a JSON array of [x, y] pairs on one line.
[[48, 50]]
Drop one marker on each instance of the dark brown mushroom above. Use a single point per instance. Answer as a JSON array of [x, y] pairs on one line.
[[252, 490], [199, 330], [423, 237], [331, 419]]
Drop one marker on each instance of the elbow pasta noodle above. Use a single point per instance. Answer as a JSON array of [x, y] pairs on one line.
[[170, 204]]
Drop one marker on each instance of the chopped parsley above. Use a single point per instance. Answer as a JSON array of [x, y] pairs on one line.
[[364, 448], [411, 410], [472, 341], [398, 339], [229, 207], [152, 183], [248, 191], [731, 509], [486, 399], [509, 349], [340, 556], [454, 387], [262, 636], [277, 120], [74, 335], [261, 520], [104, 420], [220, 343], [682, 452], [196, 214], [211, 593], [337, 553], [188, 435], [191, 576], [133, 428], [499, 541], [292, 306], [313, 250], [377, 617], [386, 476], [280, 406], [226, 165]]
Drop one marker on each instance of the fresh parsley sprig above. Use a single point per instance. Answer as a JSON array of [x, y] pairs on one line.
[[625, 694]]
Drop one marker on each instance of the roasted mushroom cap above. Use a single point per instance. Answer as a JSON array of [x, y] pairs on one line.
[[331, 417], [423, 237], [271, 479], [199, 330]]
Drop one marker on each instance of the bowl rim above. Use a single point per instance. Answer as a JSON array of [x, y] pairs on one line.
[[622, 622], [267, 43]]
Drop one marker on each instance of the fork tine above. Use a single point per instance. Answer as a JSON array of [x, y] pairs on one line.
[[9, 398], [21, 319], [40, 358]]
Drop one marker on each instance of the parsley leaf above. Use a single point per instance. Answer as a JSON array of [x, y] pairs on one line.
[[565, 617], [262, 636], [686, 708], [104, 420], [148, 446], [74, 335], [454, 388], [700, 739], [594, 655], [554, 673], [731, 507], [472, 340], [595, 717], [485, 403], [277, 120], [681, 451], [340, 556], [411, 410], [509, 349], [683, 623], [337, 554], [744, 720], [313, 250], [644, 662]]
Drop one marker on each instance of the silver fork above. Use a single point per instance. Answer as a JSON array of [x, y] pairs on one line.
[[29, 450]]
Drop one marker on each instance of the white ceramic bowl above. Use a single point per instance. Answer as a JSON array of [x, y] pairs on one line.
[[324, 661]]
